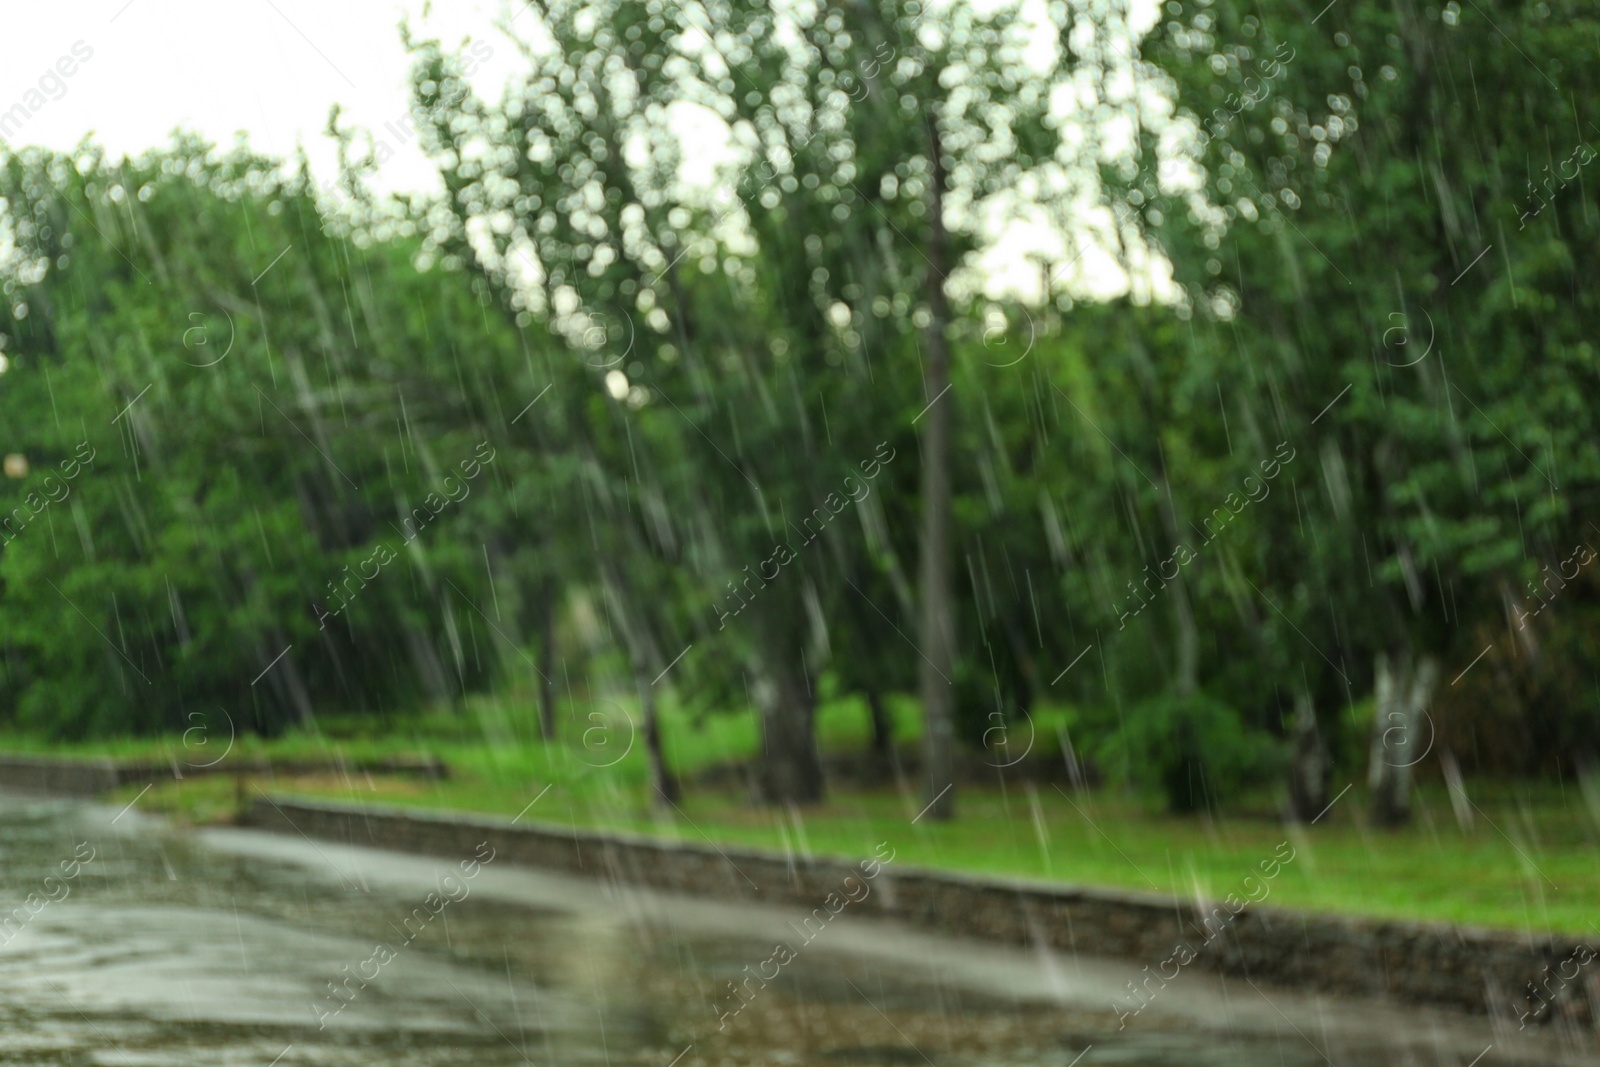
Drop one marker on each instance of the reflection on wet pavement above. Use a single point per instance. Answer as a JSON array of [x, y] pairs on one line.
[[238, 947]]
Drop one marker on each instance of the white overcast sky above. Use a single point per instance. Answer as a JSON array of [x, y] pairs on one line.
[[272, 69]]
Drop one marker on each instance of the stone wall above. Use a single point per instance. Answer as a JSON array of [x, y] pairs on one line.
[[1472, 969], [82, 777], [59, 777]]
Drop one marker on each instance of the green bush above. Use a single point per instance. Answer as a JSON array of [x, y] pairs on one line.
[[1195, 751]]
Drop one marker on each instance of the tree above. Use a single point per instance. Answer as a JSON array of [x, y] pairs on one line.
[[1433, 394], [230, 536], [576, 173]]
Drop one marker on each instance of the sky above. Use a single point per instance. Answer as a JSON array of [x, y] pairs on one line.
[[268, 67], [130, 72]]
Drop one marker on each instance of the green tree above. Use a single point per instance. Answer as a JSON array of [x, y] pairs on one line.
[[249, 386], [1354, 230]]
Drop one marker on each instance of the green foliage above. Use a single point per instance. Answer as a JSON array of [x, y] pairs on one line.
[[1532, 710], [1364, 275], [236, 375], [1195, 752], [706, 372]]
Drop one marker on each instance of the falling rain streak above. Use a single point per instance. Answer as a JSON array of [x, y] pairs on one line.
[[1132, 465]]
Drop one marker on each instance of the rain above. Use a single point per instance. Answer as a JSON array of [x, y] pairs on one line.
[[985, 533]]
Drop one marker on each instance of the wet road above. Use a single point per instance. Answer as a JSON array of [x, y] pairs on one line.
[[130, 943]]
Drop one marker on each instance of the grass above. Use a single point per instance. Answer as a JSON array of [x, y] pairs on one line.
[[494, 738], [1527, 860]]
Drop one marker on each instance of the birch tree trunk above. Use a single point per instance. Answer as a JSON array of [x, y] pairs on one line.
[[1399, 735]]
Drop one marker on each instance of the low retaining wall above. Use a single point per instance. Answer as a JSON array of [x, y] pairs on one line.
[[75, 777], [1473, 969]]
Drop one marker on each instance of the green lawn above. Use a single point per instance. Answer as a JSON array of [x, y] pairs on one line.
[[1527, 861]]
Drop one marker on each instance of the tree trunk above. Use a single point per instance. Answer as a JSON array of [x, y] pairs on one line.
[[1398, 735], [547, 655], [637, 639], [1308, 773], [663, 786], [1188, 675], [881, 753], [938, 625], [788, 770], [1186, 678], [1389, 800]]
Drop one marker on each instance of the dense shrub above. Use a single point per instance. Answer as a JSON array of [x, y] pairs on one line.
[[1195, 751]]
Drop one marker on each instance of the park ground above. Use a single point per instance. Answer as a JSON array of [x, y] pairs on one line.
[[1510, 855]]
